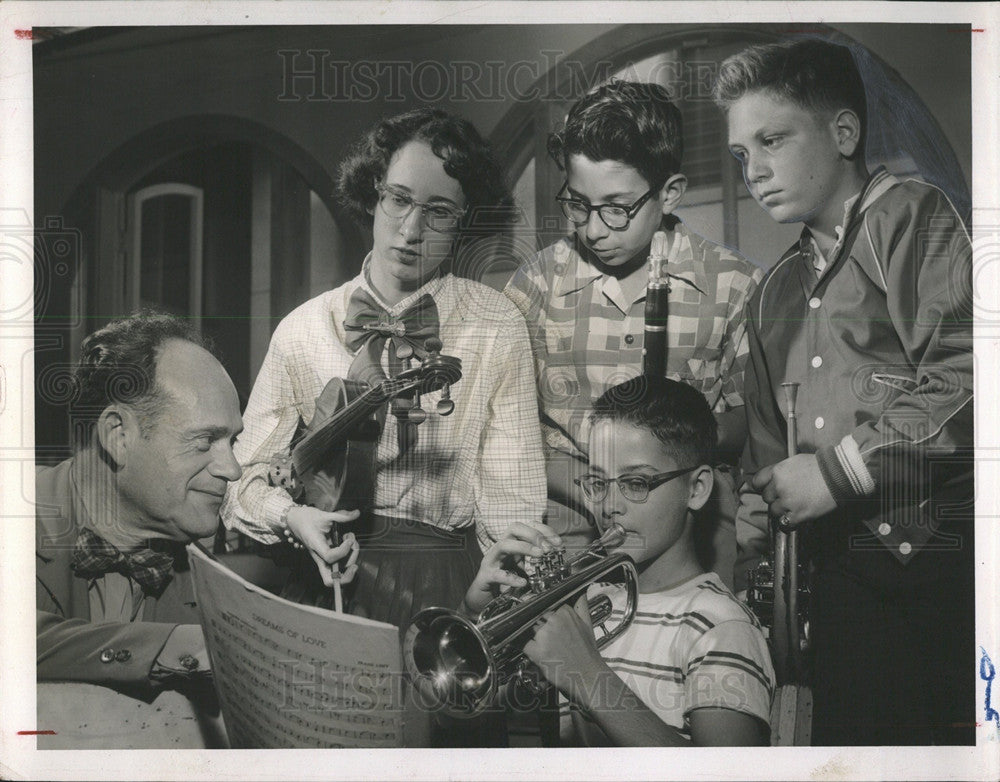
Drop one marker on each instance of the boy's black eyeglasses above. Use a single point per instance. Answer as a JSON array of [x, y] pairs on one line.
[[615, 217], [397, 204], [634, 488]]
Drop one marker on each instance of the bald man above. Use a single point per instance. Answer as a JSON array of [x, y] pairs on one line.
[[154, 418]]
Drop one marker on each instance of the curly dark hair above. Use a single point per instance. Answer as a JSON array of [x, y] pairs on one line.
[[673, 412], [812, 73], [118, 365], [467, 158], [632, 122]]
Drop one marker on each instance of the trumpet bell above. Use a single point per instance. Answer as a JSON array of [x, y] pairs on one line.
[[457, 664], [450, 662]]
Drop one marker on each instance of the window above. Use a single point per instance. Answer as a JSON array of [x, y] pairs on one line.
[[164, 268]]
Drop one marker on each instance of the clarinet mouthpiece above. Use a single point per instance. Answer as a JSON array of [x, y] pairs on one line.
[[658, 248], [657, 256]]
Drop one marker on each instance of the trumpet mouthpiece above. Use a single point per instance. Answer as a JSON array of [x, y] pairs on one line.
[[613, 536], [791, 394]]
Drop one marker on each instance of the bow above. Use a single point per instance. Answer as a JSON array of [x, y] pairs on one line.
[[368, 326], [367, 321], [93, 556]]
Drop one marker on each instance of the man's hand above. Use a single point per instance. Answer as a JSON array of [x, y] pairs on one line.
[[312, 527], [523, 539], [794, 489], [565, 651]]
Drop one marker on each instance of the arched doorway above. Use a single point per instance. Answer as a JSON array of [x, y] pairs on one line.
[[215, 218]]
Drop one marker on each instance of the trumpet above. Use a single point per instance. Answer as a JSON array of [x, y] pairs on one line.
[[778, 588], [459, 664]]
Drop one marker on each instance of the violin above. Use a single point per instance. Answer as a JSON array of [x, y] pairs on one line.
[[330, 464]]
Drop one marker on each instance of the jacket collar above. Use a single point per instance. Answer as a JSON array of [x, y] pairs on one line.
[[879, 182]]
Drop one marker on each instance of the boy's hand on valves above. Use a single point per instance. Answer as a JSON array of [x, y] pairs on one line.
[[523, 539]]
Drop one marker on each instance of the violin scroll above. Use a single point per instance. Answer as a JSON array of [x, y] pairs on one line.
[[435, 373]]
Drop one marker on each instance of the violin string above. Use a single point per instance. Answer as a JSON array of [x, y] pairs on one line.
[[313, 445], [317, 443]]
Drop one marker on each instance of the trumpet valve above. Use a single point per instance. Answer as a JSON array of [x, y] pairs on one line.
[[536, 574], [548, 569]]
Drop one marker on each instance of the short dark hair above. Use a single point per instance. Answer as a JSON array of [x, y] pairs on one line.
[[467, 158], [118, 365], [812, 73], [673, 412], [631, 122]]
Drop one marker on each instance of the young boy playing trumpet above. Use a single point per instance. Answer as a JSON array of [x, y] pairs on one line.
[[692, 668]]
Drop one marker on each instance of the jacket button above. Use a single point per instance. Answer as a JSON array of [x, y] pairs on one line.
[[905, 548], [629, 339], [123, 656], [107, 655], [884, 529], [820, 423], [814, 303]]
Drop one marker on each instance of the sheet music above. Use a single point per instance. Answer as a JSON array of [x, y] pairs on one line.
[[293, 676]]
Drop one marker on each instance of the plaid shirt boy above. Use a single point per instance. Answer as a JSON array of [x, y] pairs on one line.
[[586, 328]]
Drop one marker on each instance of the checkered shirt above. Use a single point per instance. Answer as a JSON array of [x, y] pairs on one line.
[[481, 465], [587, 329]]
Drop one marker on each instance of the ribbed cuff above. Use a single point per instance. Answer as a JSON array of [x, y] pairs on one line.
[[844, 471], [834, 476]]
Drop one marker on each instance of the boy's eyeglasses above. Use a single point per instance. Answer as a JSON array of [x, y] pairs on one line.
[[615, 217], [398, 204], [634, 488]]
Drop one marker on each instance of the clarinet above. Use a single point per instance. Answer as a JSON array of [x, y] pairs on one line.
[[654, 348]]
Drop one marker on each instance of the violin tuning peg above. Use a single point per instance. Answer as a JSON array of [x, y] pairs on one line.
[[417, 414], [433, 345], [445, 406]]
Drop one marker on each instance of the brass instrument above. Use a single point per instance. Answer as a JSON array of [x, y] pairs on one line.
[[458, 664], [778, 589]]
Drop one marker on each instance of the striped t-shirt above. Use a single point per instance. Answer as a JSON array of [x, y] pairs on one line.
[[689, 647]]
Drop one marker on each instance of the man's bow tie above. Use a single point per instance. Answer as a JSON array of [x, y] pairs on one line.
[[93, 556]]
